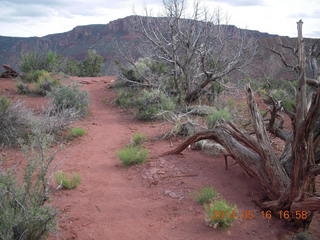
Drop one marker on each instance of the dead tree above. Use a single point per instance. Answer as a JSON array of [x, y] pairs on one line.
[[199, 49], [292, 188], [9, 72]]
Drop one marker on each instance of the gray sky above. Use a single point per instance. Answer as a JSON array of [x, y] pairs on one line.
[[27, 18]]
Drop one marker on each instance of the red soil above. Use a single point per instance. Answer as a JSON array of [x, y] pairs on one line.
[[150, 201]]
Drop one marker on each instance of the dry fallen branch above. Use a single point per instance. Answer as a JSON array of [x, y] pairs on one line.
[[293, 187]]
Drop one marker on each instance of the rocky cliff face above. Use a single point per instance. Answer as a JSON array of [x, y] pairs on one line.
[[106, 39]]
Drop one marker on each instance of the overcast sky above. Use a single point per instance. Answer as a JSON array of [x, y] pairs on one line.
[[27, 18]]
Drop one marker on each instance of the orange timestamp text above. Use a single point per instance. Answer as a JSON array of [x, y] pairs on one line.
[[253, 214]]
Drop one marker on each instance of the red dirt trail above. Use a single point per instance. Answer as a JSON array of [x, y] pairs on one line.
[[150, 201]]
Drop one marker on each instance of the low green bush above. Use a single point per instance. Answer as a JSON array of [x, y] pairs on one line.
[[220, 214], [91, 66], [133, 155], [205, 195], [15, 121], [150, 103], [67, 182], [4, 104], [218, 116], [76, 132], [125, 98], [24, 212], [34, 75], [22, 88], [46, 83], [70, 97], [138, 139]]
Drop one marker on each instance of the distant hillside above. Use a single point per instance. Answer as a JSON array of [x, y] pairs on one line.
[[105, 38]]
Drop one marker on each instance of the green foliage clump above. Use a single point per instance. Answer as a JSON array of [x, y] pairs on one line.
[[76, 132], [151, 103], [125, 98], [70, 97], [4, 104], [148, 103], [67, 182], [14, 121], [205, 195], [131, 155], [46, 83], [72, 67], [32, 61], [218, 116], [287, 100], [220, 214], [138, 139], [42, 81], [22, 88], [91, 66], [142, 69], [24, 214]]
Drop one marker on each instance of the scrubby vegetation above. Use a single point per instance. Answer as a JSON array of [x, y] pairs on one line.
[[67, 182], [220, 214], [91, 66], [15, 121], [147, 104], [138, 139], [218, 117], [33, 63], [69, 97], [131, 155], [75, 133], [24, 214], [205, 195], [134, 153]]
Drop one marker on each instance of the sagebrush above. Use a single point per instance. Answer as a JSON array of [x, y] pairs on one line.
[[70, 97], [15, 121], [24, 213]]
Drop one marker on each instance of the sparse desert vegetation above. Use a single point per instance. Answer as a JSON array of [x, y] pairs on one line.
[[63, 180], [216, 128], [75, 133], [205, 195]]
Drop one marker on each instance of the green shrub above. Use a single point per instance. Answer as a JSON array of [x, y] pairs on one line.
[[218, 116], [151, 103], [67, 182], [91, 66], [34, 75], [133, 155], [138, 139], [125, 98], [22, 88], [46, 83], [24, 214], [220, 214], [205, 195], [32, 61], [72, 67], [70, 97], [76, 132], [15, 121], [4, 104]]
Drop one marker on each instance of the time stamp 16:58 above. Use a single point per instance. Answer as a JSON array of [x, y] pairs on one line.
[[253, 214]]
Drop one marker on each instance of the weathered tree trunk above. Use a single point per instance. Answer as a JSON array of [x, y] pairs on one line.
[[9, 72], [288, 180]]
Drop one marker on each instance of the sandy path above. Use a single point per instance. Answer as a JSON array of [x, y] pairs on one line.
[[106, 205]]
